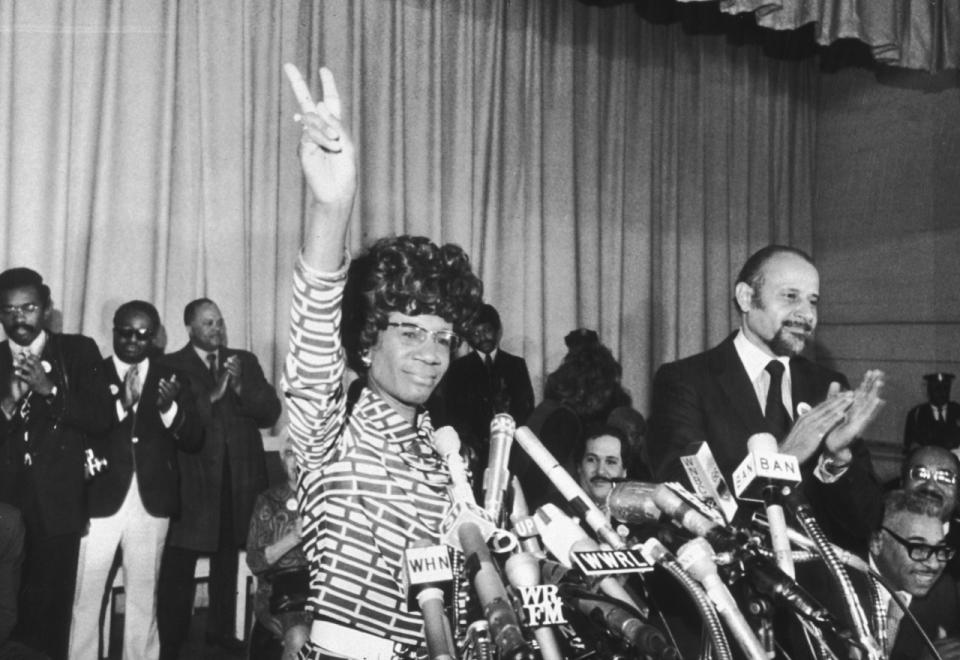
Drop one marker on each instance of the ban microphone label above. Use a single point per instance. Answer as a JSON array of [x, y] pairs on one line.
[[610, 562], [782, 468]]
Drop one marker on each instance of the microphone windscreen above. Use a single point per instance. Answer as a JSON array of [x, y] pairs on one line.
[[762, 443], [446, 440]]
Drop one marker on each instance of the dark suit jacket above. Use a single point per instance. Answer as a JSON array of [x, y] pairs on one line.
[[709, 398], [153, 455], [57, 430], [231, 429], [940, 608], [922, 429], [471, 400]]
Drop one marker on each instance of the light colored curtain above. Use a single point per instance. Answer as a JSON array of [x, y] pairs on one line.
[[602, 171], [915, 34]]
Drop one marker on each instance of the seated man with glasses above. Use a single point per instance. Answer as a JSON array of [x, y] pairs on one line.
[[132, 501], [909, 550]]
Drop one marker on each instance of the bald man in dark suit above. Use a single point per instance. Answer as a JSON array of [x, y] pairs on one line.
[[757, 381]]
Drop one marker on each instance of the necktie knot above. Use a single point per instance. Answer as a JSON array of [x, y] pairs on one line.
[[488, 361], [775, 368]]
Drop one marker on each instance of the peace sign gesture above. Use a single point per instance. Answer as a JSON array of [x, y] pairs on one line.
[[328, 160]]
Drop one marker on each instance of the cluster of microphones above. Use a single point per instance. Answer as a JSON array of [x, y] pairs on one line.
[[570, 583]]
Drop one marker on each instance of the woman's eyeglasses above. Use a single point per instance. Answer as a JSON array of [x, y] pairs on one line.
[[415, 335]]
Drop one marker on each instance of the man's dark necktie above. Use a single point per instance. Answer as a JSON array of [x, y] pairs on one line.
[[212, 364], [778, 420]]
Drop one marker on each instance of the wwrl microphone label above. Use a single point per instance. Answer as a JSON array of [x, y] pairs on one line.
[[610, 562]]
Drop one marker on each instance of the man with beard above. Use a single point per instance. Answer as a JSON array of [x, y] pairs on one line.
[[53, 395], [931, 472], [756, 381]]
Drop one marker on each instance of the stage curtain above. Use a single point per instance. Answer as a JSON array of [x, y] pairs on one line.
[[601, 170], [914, 34]]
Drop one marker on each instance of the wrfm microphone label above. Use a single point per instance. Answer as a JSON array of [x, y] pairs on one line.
[[542, 605]]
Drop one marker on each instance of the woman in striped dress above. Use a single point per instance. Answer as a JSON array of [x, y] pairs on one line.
[[371, 482]]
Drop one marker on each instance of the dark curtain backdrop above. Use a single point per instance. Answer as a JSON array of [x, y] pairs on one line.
[[602, 170], [912, 34]]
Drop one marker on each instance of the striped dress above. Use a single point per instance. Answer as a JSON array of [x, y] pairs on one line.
[[369, 485]]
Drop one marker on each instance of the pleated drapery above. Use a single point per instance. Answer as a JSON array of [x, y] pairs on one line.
[[601, 170]]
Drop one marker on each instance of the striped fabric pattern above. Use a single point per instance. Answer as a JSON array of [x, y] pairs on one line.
[[368, 485]]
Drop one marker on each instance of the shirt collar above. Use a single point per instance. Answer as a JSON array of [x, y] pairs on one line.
[[123, 367], [203, 354], [36, 346], [483, 356], [884, 594], [754, 360]]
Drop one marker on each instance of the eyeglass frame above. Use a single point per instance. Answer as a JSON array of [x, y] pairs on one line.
[[436, 335], [938, 550], [143, 334], [24, 309], [935, 475]]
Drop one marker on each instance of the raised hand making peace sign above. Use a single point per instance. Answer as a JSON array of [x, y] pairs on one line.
[[328, 159]]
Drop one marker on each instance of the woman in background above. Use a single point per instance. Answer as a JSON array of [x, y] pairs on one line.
[[275, 555]]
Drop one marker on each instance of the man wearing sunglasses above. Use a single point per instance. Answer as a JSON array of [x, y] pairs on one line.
[[132, 501], [910, 551], [53, 395]]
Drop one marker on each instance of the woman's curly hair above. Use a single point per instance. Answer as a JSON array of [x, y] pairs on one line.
[[588, 379], [411, 275]]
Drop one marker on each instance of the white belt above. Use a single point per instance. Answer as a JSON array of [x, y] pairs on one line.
[[334, 639]]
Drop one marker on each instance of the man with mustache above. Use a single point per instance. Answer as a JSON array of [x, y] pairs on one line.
[[602, 459], [53, 396], [757, 381], [931, 472]]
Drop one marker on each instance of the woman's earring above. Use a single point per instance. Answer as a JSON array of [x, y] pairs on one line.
[[365, 358]]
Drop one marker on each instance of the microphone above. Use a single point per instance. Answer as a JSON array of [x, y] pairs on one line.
[[693, 520], [426, 577], [464, 509], [806, 543], [523, 573], [623, 624], [562, 536], [496, 477], [447, 443], [696, 557], [494, 601], [707, 480], [581, 503], [632, 502], [521, 521], [768, 580], [766, 475]]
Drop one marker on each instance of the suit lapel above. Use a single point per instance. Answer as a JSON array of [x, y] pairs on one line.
[[735, 384], [803, 386]]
